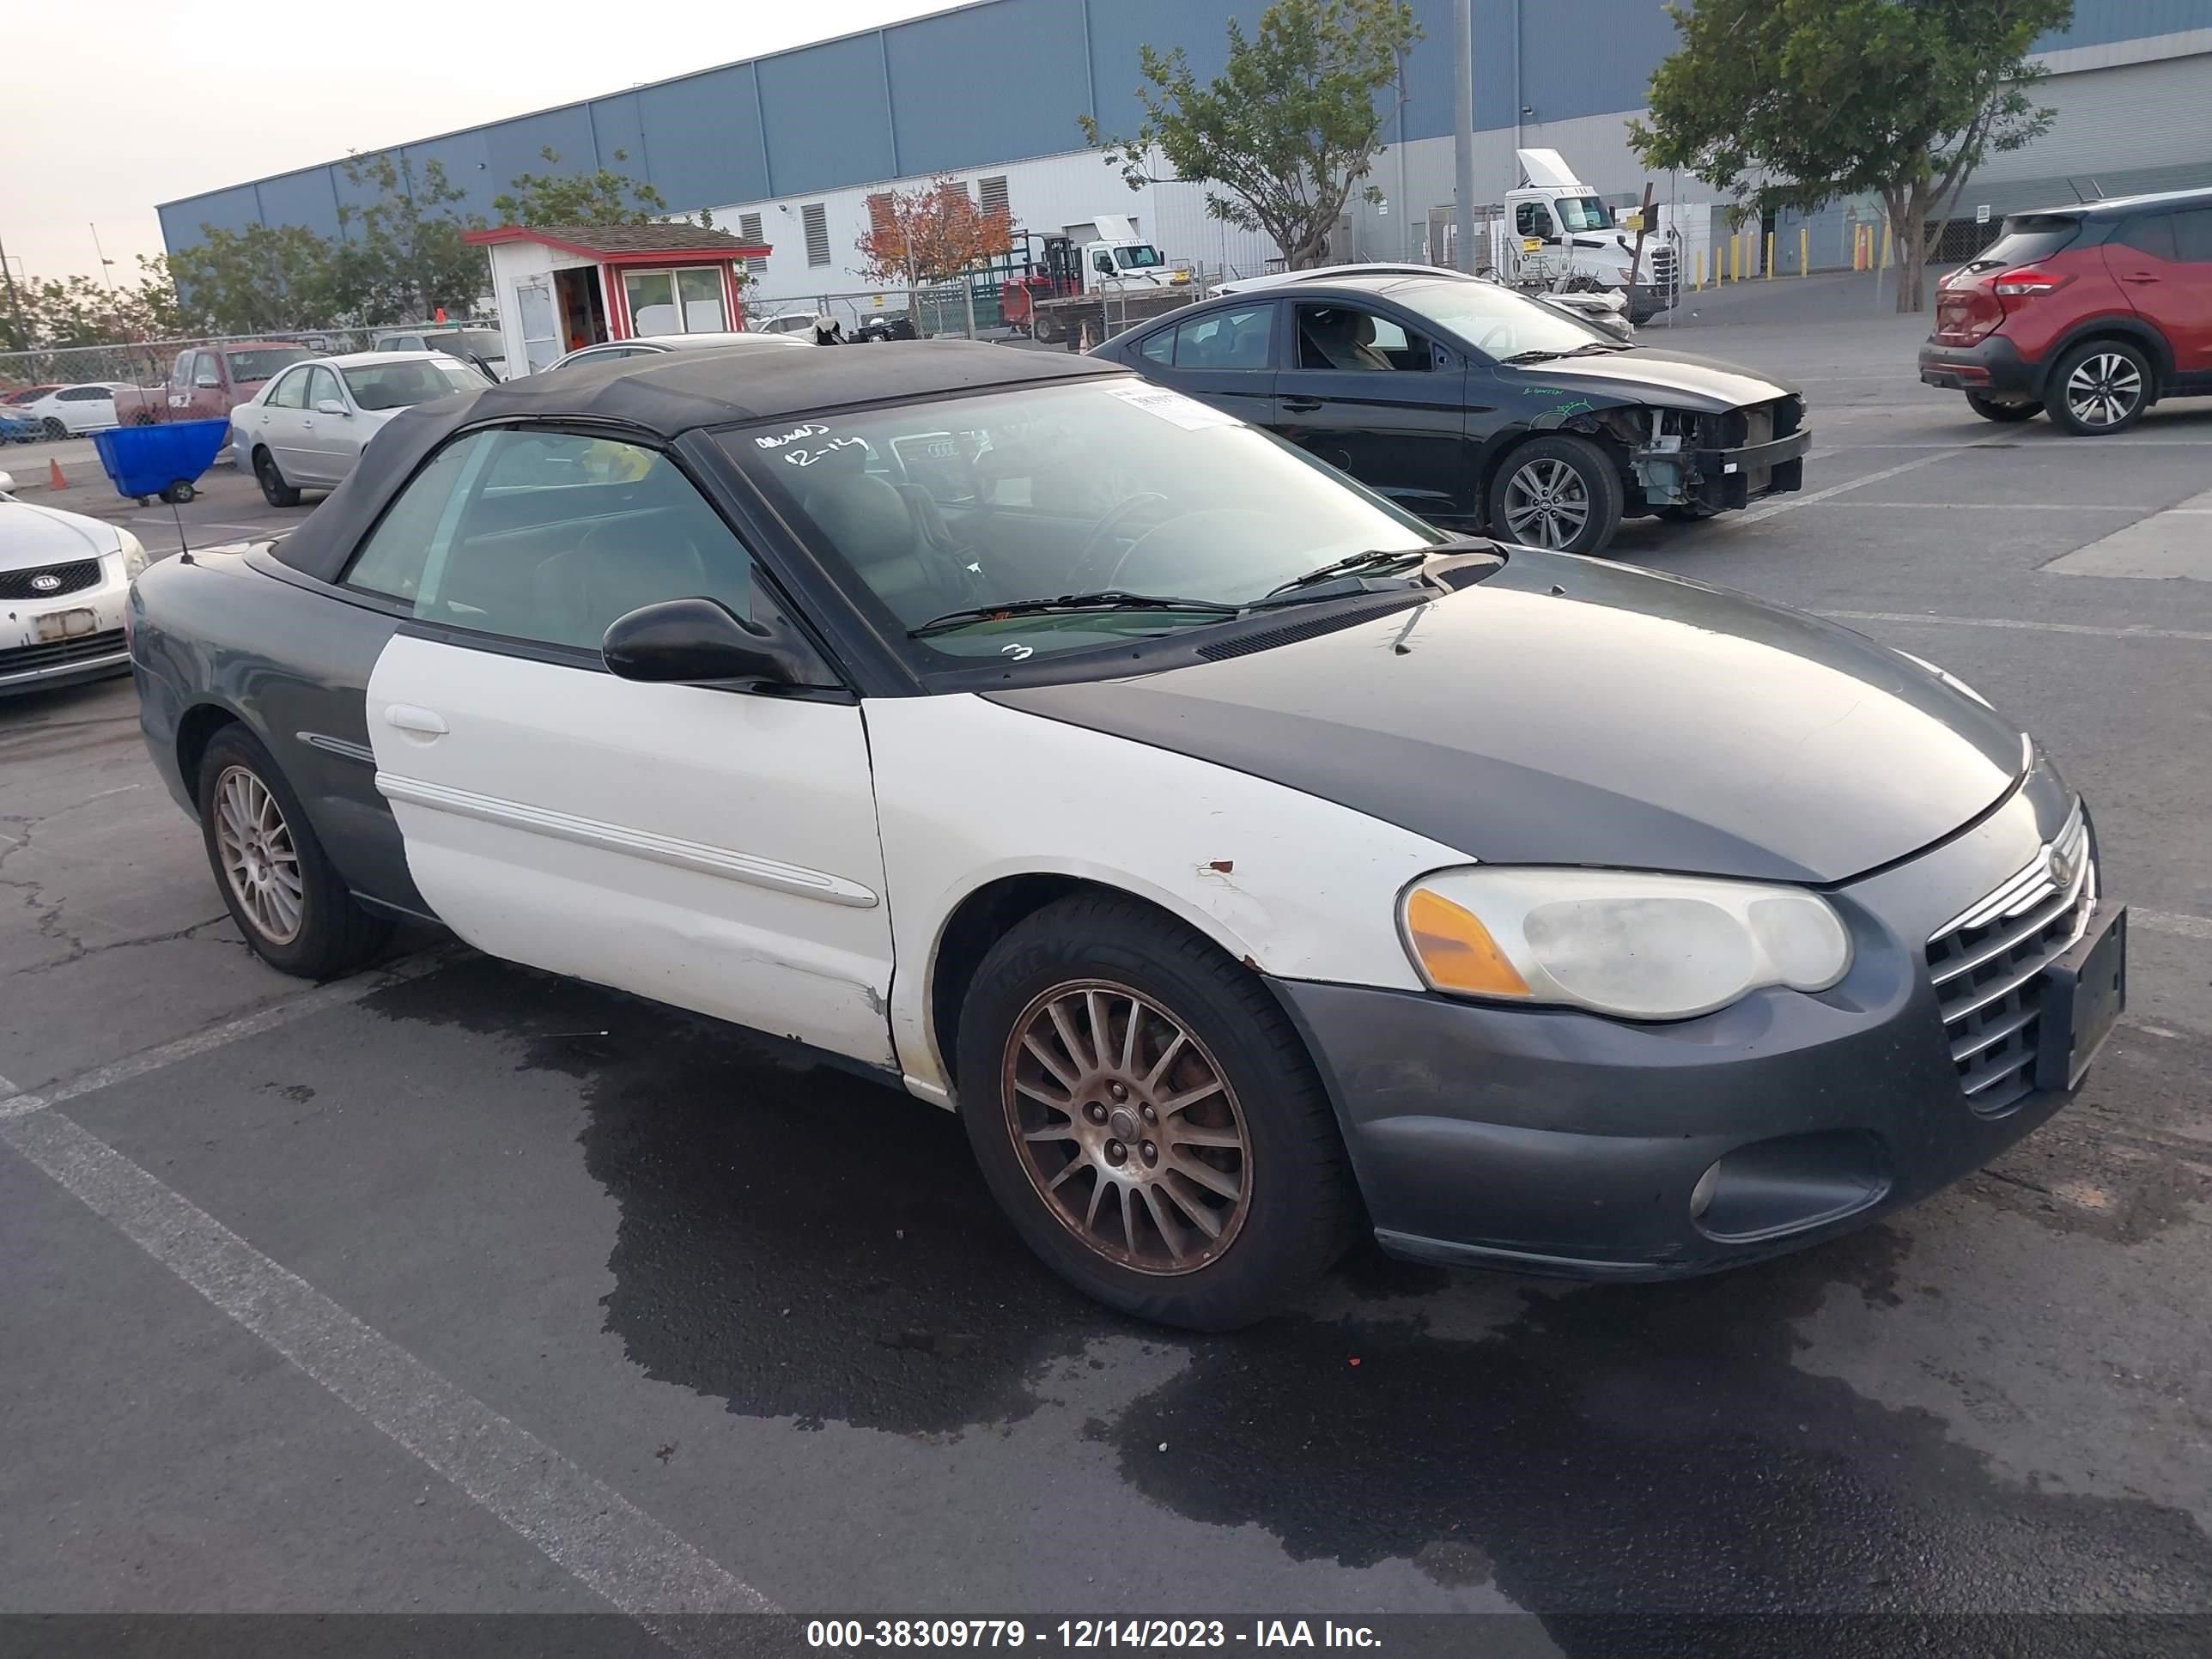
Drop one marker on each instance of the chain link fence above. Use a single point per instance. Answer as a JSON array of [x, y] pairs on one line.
[[944, 311], [151, 365]]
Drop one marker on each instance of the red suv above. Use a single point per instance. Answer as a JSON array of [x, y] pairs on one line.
[[2093, 313]]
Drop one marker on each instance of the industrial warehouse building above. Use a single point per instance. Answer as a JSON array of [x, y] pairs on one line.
[[786, 149]]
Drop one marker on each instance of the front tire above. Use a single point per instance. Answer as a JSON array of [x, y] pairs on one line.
[[53, 428], [1148, 1118], [2099, 388], [274, 489], [1990, 410], [1559, 491], [291, 905]]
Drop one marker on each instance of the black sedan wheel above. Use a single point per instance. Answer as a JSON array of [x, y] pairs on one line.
[[1148, 1118], [54, 428], [292, 906], [274, 489], [2099, 389], [1990, 410], [1558, 491]]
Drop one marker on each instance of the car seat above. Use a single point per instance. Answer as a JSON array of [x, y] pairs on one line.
[[1340, 337]]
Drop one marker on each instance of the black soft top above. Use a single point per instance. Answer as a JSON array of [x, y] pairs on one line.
[[665, 395]]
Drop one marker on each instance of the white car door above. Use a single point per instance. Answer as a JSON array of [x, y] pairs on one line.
[[325, 437], [713, 849], [272, 420]]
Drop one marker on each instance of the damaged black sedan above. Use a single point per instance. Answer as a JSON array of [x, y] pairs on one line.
[[1473, 405]]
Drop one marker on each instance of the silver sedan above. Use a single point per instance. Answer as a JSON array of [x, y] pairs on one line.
[[306, 428]]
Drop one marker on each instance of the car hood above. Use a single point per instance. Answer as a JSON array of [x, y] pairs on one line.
[[1573, 711], [31, 537], [1661, 375]]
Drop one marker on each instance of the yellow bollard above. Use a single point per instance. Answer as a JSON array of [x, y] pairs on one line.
[[1885, 245], [1804, 251], [1700, 283], [1769, 272], [1735, 254]]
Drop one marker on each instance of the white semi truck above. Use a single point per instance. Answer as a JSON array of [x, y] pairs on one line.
[[1554, 235]]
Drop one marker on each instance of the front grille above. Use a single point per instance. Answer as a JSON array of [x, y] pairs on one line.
[[1663, 265], [17, 584], [1989, 966], [59, 652]]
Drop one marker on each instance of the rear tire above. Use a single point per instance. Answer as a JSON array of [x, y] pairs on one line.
[[281, 889], [274, 489], [1167, 1057], [1558, 490], [1990, 410], [2099, 388]]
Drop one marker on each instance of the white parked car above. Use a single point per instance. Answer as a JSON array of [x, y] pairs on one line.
[[480, 348], [65, 580], [306, 428], [67, 411]]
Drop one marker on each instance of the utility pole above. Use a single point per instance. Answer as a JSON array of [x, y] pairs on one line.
[[106, 264], [15, 300], [1463, 127]]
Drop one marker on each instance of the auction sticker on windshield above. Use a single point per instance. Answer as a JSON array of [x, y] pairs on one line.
[[1187, 413]]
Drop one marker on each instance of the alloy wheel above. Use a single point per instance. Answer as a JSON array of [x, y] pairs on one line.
[[2103, 389], [259, 858], [1127, 1127], [1546, 503]]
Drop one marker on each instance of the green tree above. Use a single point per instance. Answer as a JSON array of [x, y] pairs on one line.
[[1288, 128], [604, 197], [401, 257], [81, 311], [1793, 103], [257, 279]]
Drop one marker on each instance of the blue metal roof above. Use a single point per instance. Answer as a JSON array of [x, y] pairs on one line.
[[1003, 81]]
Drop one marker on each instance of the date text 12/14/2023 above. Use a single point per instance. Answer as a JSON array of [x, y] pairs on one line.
[[1085, 1633]]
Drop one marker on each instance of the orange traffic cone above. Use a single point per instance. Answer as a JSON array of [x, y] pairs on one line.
[[54, 479]]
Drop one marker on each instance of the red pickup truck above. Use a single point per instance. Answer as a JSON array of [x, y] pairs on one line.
[[205, 381]]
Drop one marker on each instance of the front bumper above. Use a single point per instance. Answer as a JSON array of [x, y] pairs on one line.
[[1991, 365], [68, 638], [1552, 1140]]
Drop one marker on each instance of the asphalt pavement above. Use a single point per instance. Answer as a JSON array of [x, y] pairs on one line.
[[455, 1289]]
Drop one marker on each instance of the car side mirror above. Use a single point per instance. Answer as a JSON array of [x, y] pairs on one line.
[[329, 406], [685, 641]]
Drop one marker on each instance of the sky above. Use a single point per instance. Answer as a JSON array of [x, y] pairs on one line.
[[133, 102]]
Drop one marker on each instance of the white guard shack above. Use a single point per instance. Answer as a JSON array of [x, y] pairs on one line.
[[561, 288]]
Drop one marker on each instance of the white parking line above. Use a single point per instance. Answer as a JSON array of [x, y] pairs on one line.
[[335, 995], [2029, 626], [578, 1521], [1790, 504], [2017, 507], [2167, 921]]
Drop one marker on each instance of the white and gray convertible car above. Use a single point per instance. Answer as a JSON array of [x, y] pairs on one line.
[[1245, 861], [65, 580]]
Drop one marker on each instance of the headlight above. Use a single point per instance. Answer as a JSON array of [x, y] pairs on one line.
[[134, 555], [1617, 942], [1947, 677]]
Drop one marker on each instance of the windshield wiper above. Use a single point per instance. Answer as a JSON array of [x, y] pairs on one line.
[[1538, 356], [1110, 599], [1375, 558]]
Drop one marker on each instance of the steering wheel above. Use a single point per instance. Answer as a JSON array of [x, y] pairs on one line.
[[1087, 555]]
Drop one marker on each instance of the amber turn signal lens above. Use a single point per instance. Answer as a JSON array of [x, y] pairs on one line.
[[1456, 951]]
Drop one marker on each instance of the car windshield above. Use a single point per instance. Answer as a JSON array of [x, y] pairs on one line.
[[1496, 321], [246, 367], [1140, 257], [405, 384], [483, 342], [1584, 212], [958, 504]]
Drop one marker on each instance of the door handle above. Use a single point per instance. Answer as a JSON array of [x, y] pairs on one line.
[[2146, 278], [1301, 405], [408, 718]]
